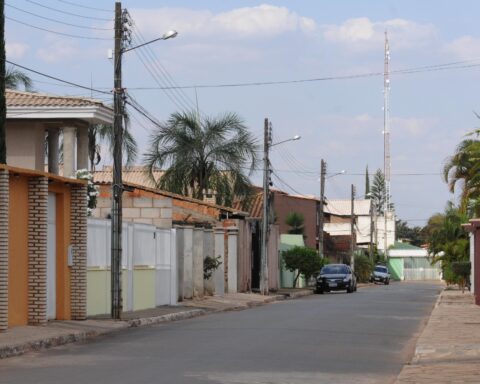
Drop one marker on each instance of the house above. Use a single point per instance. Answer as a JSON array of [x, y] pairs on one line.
[[43, 239], [33, 117], [408, 262], [368, 226]]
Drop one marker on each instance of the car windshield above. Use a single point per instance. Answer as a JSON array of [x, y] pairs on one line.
[[381, 269], [334, 269]]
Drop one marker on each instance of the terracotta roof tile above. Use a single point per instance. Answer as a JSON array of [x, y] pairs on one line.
[[32, 99]]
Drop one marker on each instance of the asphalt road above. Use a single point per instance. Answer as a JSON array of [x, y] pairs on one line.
[[363, 337]]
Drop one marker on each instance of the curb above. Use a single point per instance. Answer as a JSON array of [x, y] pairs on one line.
[[82, 336]]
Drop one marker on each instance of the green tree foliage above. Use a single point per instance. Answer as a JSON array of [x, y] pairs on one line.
[[363, 267], [462, 270], [15, 78], [461, 173], [302, 261], [203, 154], [414, 235], [378, 192], [99, 133], [295, 221], [447, 241], [210, 265]]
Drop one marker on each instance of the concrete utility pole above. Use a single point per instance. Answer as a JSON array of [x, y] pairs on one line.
[[117, 184], [370, 251], [352, 230], [266, 194], [323, 171]]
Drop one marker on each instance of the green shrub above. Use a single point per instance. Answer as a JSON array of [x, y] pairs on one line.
[[448, 275], [462, 270], [363, 268], [210, 265], [302, 261]]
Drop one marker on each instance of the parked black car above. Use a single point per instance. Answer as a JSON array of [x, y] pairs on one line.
[[336, 277], [380, 275]]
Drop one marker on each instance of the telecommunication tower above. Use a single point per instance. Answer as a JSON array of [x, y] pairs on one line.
[[386, 137]]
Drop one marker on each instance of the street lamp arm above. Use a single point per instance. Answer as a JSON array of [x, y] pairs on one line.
[[166, 36], [294, 138]]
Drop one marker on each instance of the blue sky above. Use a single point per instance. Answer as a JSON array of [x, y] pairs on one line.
[[248, 41]]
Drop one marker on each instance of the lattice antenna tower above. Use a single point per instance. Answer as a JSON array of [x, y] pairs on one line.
[[386, 125]]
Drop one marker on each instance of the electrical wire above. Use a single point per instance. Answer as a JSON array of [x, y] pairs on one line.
[[85, 6], [68, 13], [57, 79], [431, 68], [57, 21], [167, 76], [56, 32]]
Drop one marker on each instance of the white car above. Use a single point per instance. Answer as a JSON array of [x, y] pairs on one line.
[[380, 275]]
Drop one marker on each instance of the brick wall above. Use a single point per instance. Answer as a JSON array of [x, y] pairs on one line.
[[79, 248], [37, 250], [4, 194]]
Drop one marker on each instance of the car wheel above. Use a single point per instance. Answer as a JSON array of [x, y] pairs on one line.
[[355, 288], [387, 282], [349, 290]]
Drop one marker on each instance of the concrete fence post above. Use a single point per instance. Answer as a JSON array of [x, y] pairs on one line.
[[209, 251], [232, 259], [198, 262], [219, 248], [188, 262]]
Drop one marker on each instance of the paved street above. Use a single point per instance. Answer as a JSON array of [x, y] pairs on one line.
[[364, 337]]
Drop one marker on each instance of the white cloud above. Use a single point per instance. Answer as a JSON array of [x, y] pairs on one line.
[[465, 47], [361, 33], [263, 20], [58, 51], [16, 50]]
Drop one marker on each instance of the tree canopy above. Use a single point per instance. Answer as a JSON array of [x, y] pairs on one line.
[[295, 221], [302, 261], [202, 154], [378, 192]]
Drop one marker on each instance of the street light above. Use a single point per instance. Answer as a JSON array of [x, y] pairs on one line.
[[266, 183], [121, 32], [342, 172]]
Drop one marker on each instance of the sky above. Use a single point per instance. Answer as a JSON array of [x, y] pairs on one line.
[[235, 42]]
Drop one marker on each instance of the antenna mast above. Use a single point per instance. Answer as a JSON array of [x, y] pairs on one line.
[[386, 136]]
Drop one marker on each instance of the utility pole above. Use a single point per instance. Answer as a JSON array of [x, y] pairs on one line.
[[3, 102], [117, 184], [323, 171], [370, 251], [266, 201], [352, 230], [386, 140]]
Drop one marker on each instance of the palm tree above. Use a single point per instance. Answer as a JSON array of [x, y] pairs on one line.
[[15, 78], [201, 155], [101, 132], [295, 221], [460, 172]]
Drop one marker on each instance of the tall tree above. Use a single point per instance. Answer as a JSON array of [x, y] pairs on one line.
[[3, 102], [202, 154], [367, 184], [378, 192], [461, 173], [414, 235], [295, 221]]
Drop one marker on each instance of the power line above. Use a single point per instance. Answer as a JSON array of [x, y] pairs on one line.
[[57, 21], [430, 68], [85, 6], [57, 79], [68, 13], [56, 32]]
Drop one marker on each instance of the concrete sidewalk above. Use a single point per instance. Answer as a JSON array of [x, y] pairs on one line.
[[19, 340], [448, 349]]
